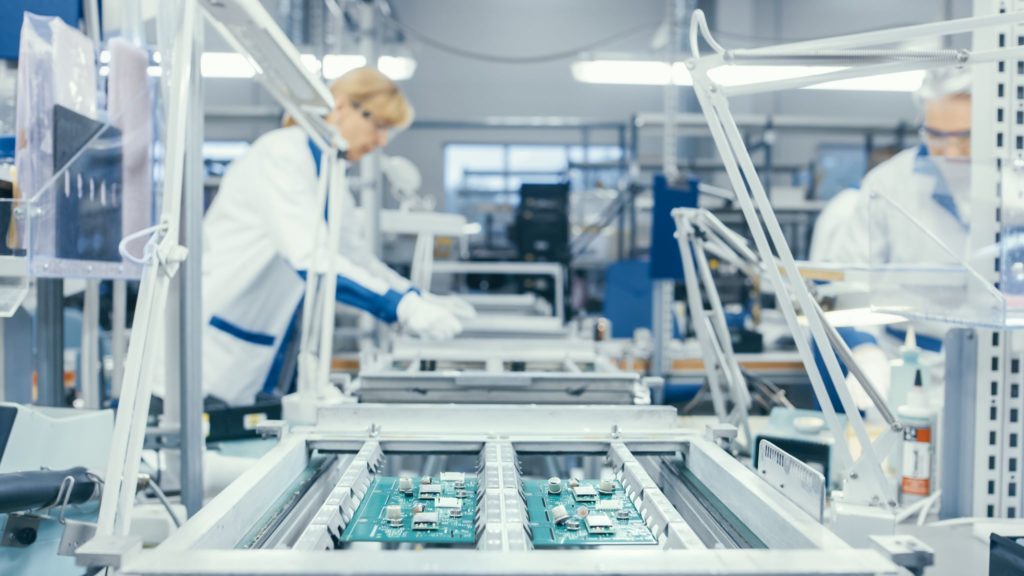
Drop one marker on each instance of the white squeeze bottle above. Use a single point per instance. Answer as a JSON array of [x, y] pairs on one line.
[[904, 370], [918, 444]]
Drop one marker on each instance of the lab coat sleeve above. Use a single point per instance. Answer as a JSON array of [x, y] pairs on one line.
[[862, 229], [354, 246], [851, 244], [360, 254], [294, 220]]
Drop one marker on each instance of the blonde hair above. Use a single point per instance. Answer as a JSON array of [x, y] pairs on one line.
[[370, 90]]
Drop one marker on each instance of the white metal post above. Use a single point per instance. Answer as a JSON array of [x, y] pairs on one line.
[[89, 357], [311, 311], [190, 340], [336, 176], [663, 291], [996, 189], [118, 335], [164, 257], [370, 170]]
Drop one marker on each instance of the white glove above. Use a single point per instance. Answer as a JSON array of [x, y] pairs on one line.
[[463, 310], [429, 321]]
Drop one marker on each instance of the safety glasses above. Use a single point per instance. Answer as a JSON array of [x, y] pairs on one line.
[[941, 143]]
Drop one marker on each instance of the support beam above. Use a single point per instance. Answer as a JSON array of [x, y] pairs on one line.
[[49, 338]]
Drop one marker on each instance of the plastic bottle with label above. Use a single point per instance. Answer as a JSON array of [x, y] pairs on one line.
[[917, 454]]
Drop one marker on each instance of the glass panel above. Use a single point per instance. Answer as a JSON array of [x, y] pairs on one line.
[[86, 176], [14, 233], [926, 260], [462, 158], [595, 153]]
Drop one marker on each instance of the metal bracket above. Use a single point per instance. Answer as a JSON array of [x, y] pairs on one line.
[[722, 434], [162, 438], [655, 388], [107, 551], [20, 530], [906, 551], [801, 484], [75, 534], [857, 485], [272, 429]]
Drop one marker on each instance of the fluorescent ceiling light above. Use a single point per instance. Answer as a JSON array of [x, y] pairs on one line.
[[655, 73], [397, 68], [152, 71], [637, 72], [226, 65], [337, 64]]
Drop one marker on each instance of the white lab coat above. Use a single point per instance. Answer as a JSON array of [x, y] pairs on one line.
[[856, 228], [874, 232], [356, 246], [258, 242]]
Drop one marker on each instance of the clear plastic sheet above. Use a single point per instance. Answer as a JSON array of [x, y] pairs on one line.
[[85, 175], [928, 262]]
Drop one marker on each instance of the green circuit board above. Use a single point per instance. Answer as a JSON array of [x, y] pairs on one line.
[[611, 519], [448, 514]]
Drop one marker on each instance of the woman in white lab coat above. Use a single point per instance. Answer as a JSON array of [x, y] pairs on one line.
[[259, 236]]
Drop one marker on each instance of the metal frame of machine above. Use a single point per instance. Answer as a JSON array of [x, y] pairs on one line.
[[530, 326], [693, 538], [558, 371], [293, 518], [866, 483], [997, 402]]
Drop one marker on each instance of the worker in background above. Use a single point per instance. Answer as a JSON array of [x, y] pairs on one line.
[[930, 182], [259, 240], [913, 208]]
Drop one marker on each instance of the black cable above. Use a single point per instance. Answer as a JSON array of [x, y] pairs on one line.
[[501, 59]]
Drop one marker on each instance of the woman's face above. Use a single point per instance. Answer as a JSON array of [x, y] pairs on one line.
[[359, 129]]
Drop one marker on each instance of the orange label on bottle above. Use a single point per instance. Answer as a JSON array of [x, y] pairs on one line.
[[917, 461], [916, 486]]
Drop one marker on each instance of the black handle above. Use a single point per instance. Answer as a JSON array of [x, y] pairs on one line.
[[20, 491]]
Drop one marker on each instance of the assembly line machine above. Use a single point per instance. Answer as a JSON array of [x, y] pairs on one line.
[[489, 457], [500, 371], [485, 489]]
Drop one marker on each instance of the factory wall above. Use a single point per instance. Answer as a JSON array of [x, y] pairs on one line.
[[448, 87]]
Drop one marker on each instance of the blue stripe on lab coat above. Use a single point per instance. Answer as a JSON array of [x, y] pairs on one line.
[[258, 338], [853, 338], [383, 306], [942, 195], [315, 151], [274, 376]]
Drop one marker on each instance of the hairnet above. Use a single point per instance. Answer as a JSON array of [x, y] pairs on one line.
[[943, 82]]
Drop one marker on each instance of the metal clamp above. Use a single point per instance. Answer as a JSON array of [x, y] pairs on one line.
[[721, 434], [64, 496], [272, 428], [906, 551]]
